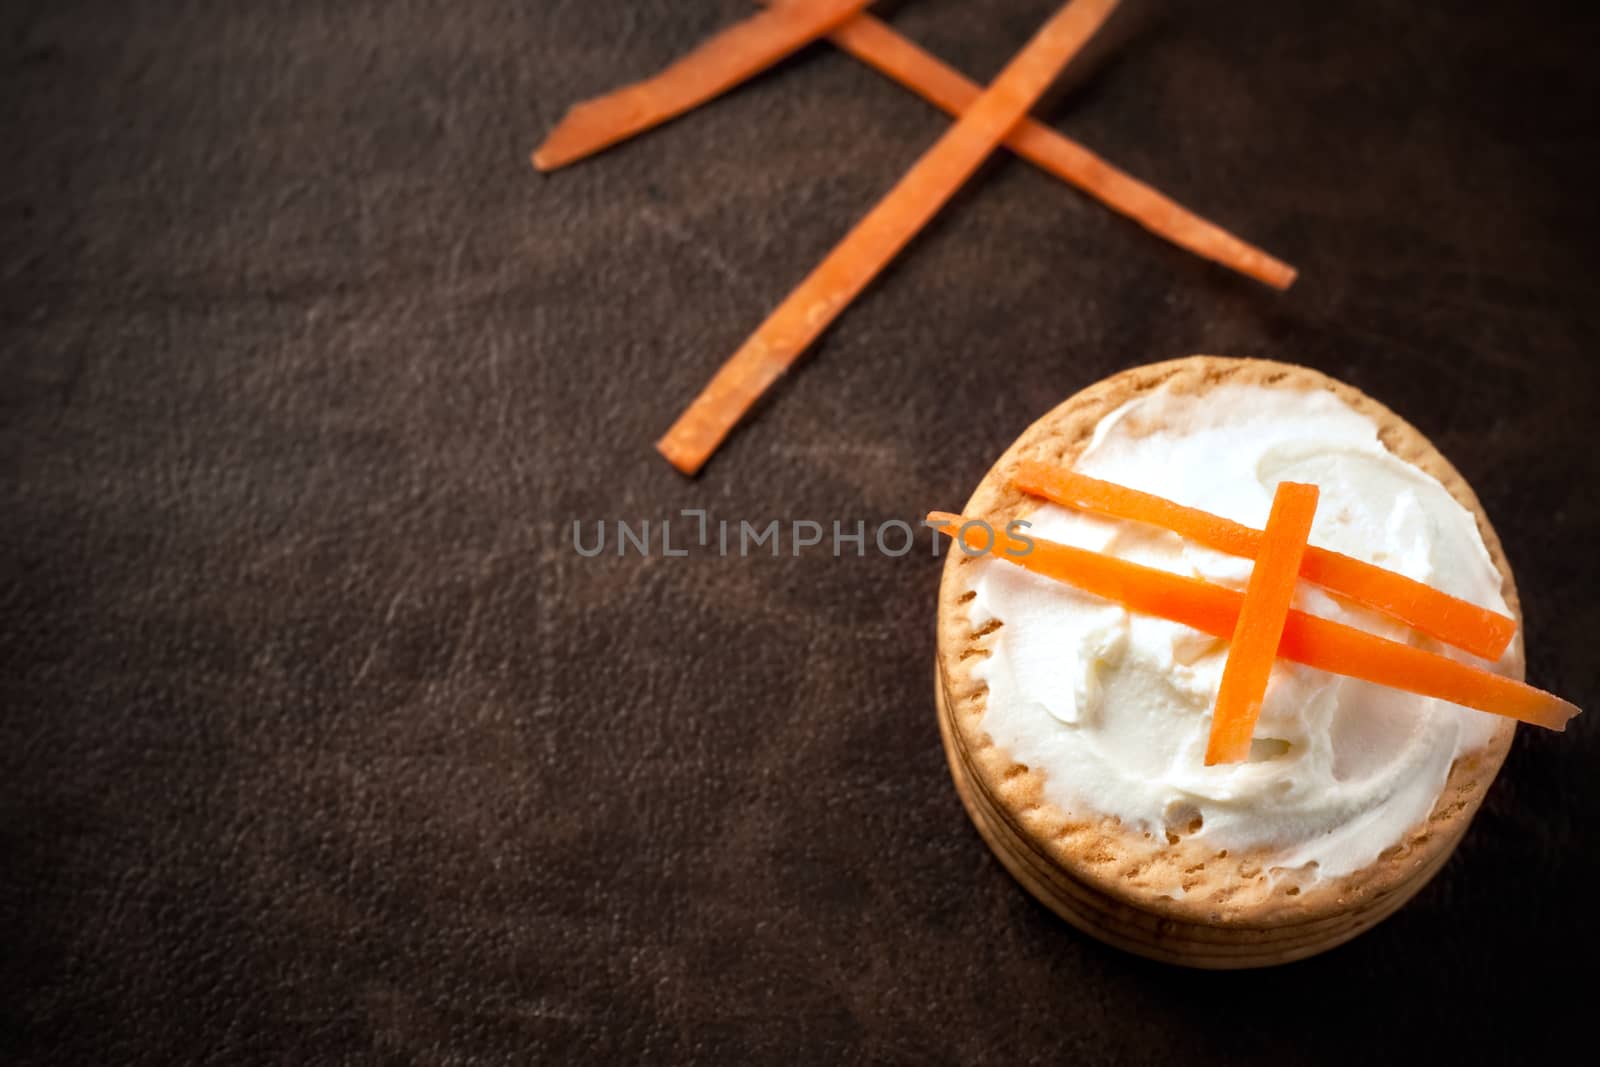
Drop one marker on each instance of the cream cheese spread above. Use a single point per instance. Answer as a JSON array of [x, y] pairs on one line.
[[1114, 708]]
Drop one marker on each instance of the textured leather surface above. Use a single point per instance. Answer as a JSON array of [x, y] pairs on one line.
[[319, 742]]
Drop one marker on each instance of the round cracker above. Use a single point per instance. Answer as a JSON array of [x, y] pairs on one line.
[[1163, 893]]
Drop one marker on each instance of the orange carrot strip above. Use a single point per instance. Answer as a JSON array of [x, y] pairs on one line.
[[880, 47], [1261, 617], [715, 66], [1451, 620], [876, 239], [1316, 642]]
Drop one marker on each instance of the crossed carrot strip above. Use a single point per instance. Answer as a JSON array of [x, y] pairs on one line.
[[1259, 624], [985, 118]]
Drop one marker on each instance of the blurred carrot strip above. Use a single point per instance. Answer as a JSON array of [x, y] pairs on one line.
[[876, 239], [711, 69], [892, 55]]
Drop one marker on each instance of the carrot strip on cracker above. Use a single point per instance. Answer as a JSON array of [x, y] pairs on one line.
[[1261, 617], [1315, 642], [880, 47], [876, 239], [711, 69], [1449, 619]]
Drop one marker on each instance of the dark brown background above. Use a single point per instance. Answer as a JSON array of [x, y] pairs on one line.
[[319, 742]]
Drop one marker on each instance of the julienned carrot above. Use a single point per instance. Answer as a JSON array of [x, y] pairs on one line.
[[711, 69], [1451, 620], [876, 239], [1307, 639], [880, 47], [1260, 627]]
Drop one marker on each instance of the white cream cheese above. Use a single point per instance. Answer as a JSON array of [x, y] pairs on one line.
[[1115, 708]]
